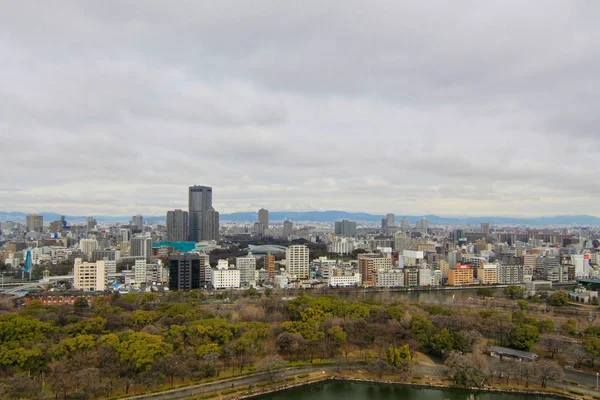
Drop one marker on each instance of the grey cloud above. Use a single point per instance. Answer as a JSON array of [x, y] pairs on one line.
[[413, 107]]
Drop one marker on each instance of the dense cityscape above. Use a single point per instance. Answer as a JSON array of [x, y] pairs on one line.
[[190, 249]]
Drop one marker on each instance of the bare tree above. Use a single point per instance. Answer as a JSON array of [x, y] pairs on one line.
[[269, 365], [466, 370], [553, 344], [547, 371]]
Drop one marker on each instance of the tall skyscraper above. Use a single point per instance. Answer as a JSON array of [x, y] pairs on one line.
[[88, 246], [34, 222], [345, 228], [400, 242], [297, 261], [177, 226], [91, 223], [391, 220], [404, 225], [137, 222], [141, 247], [485, 228], [424, 224], [288, 228], [263, 218], [203, 219]]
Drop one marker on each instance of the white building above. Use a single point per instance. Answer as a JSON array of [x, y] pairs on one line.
[[510, 274], [110, 266], [297, 261], [88, 245], [424, 277], [281, 281], [223, 277], [141, 271], [341, 246], [247, 267], [345, 280], [582, 265], [89, 276], [390, 278]]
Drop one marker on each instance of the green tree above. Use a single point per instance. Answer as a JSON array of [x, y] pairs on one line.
[[558, 299], [524, 336], [442, 342], [514, 292], [522, 304], [485, 292], [591, 344]]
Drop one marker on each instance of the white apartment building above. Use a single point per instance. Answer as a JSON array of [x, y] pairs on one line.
[[510, 274], [341, 246], [223, 277], [89, 276], [141, 271], [390, 278], [345, 280], [247, 267], [297, 261], [424, 276]]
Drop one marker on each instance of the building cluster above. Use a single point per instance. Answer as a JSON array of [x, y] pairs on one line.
[[175, 253]]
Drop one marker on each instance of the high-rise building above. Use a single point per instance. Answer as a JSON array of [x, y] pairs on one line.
[[345, 228], [263, 218], [88, 246], [390, 220], [141, 246], [247, 267], [288, 228], [370, 263], [270, 265], [400, 242], [137, 222], [91, 223], [203, 219], [404, 225], [424, 224], [297, 261], [177, 226], [89, 276], [186, 272], [485, 228], [34, 222]]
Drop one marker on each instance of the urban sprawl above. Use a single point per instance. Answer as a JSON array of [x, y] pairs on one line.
[[193, 250]]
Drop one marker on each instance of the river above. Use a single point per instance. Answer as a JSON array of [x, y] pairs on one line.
[[345, 390]]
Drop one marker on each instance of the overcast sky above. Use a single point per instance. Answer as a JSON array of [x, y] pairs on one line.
[[445, 107]]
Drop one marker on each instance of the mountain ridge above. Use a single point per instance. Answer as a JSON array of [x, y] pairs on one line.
[[336, 215]]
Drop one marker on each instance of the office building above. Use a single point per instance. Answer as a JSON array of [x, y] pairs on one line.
[[400, 242], [263, 218], [258, 228], [297, 261], [223, 277], [88, 246], [247, 267], [288, 229], [177, 226], [352, 280], [345, 228], [510, 274], [187, 271], [89, 276], [404, 225], [270, 265], [424, 224], [461, 275], [485, 228], [141, 246], [91, 223], [141, 271], [107, 255], [34, 222], [203, 219], [137, 222]]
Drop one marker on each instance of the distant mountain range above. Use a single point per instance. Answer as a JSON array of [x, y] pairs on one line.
[[331, 216]]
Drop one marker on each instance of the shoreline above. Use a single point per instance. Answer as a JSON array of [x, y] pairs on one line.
[[324, 379]]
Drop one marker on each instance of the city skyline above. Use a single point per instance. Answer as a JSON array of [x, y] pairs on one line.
[[380, 114]]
